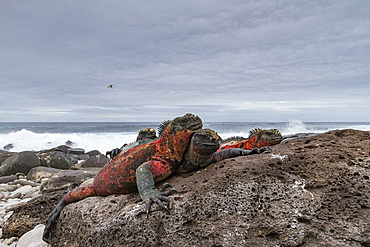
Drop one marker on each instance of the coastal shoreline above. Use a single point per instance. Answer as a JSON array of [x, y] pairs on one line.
[[312, 191]]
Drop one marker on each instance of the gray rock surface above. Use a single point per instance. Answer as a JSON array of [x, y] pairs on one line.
[[77, 151], [21, 162], [66, 180], [40, 172], [309, 192], [4, 156], [7, 179], [55, 159], [93, 153], [94, 161]]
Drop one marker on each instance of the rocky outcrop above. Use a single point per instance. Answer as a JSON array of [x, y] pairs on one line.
[[40, 172], [4, 156], [67, 180], [28, 215], [20, 162], [309, 192], [61, 157], [55, 159], [94, 161]]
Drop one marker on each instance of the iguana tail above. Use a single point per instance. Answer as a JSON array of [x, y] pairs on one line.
[[75, 195]]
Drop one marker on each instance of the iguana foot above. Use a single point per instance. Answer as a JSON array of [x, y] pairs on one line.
[[256, 151], [159, 196], [113, 153], [171, 191], [266, 149]]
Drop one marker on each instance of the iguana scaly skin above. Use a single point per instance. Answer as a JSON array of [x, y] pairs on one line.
[[145, 134], [138, 168], [257, 139], [202, 151]]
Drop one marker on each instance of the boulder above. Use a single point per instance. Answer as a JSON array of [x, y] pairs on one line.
[[55, 159], [61, 148], [77, 151], [70, 143], [309, 192], [94, 161], [93, 153], [33, 238], [83, 156], [66, 180], [7, 179], [21, 162], [40, 172], [8, 146], [4, 156], [26, 216], [74, 158]]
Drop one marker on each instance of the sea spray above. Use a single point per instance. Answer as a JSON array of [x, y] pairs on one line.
[[107, 136], [27, 140]]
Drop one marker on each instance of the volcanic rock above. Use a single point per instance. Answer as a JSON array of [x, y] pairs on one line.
[[26, 216], [93, 153], [308, 192], [19, 162], [77, 151], [94, 161], [66, 180], [40, 172], [55, 159]]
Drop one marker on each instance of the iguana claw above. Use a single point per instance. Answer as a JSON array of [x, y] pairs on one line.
[[169, 192], [160, 196], [266, 149]]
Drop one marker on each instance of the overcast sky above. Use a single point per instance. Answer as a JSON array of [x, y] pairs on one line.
[[222, 60]]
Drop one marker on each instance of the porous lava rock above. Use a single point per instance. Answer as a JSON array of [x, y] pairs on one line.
[[26, 216], [307, 192]]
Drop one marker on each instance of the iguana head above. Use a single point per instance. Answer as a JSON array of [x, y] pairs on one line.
[[205, 142], [177, 133], [265, 137], [148, 133], [203, 145]]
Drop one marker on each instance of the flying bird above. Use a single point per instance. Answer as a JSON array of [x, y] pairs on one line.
[[110, 86]]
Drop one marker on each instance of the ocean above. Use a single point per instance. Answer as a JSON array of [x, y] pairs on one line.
[[104, 136]]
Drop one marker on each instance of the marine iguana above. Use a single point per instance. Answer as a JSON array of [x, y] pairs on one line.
[[144, 136], [201, 151], [138, 168], [258, 138]]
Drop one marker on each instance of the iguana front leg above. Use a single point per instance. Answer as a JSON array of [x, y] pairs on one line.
[[145, 175], [235, 152]]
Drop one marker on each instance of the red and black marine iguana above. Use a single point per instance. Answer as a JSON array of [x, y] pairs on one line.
[[138, 168], [200, 152], [258, 138], [202, 149]]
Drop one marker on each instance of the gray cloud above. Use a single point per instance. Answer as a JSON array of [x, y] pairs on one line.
[[223, 60]]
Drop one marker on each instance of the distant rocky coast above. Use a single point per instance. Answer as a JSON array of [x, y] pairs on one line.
[[30, 175], [312, 191]]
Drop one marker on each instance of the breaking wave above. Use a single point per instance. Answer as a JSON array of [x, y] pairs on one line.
[[27, 140]]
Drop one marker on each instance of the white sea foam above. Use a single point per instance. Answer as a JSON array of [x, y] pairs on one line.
[[27, 140], [297, 126]]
